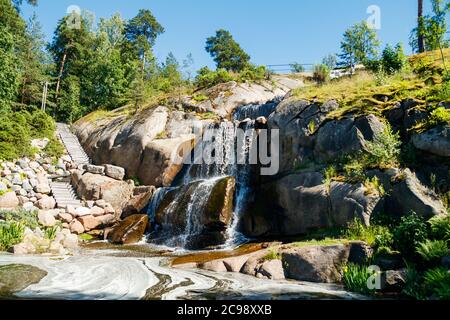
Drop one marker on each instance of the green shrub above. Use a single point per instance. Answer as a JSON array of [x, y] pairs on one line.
[[411, 231], [443, 93], [252, 73], [26, 218], [207, 78], [440, 227], [414, 286], [438, 116], [200, 98], [437, 283], [432, 251], [321, 73], [355, 278], [50, 233], [354, 168], [11, 233], [18, 128], [373, 186], [393, 59], [384, 150], [41, 125], [373, 235], [54, 148], [330, 173]]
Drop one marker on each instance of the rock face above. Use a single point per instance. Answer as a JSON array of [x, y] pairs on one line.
[[339, 138], [316, 264], [410, 195], [300, 203], [9, 201], [307, 135], [141, 197], [211, 203], [130, 230], [96, 187], [435, 141], [145, 144]]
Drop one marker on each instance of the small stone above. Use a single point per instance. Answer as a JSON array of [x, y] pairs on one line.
[[33, 182], [17, 179], [27, 186], [71, 241], [46, 203], [95, 169], [65, 217], [89, 222], [22, 192], [90, 204], [97, 211], [9, 201], [43, 188], [114, 172], [76, 227], [22, 163], [65, 225], [66, 158], [34, 165], [46, 219], [82, 211], [71, 210], [109, 209], [28, 205], [100, 203], [106, 220]]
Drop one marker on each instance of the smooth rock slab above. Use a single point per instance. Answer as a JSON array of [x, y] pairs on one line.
[[16, 277]]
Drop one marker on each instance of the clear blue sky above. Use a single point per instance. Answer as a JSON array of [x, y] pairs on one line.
[[271, 31]]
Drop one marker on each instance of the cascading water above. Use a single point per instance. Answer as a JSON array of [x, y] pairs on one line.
[[223, 153]]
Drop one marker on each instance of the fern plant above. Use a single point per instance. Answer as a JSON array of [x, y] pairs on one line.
[[437, 283], [432, 251]]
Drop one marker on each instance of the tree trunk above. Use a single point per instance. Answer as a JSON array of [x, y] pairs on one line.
[[420, 39], [61, 70]]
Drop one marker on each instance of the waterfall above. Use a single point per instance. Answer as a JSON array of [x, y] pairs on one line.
[[223, 153]]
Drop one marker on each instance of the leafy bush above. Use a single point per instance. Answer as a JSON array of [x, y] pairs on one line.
[[252, 73], [443, 93], [411, 231], [373, 186], [297, 67], [50, 233], [329, 174], [54, 148], [11, 233], [384, 150], [26, 218], [18, 128], [373, 235], [440, 227], [437, 283], [393, 59], [355, 278], [207, 78], [437, 117], [41, 125], [432, 251], [414, 287], [321, 73]]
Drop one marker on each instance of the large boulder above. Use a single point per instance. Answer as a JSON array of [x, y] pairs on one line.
[[294, 119], [131, 230], [211, 202], [141, 197], [162, 160], [315, 263], [338, 138], [300, 203], [435, 141], [409, 195], [95, 187], [9, 200], [114, 172]]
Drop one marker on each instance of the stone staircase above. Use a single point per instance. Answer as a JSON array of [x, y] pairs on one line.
[[63, 192], [72, 145]]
